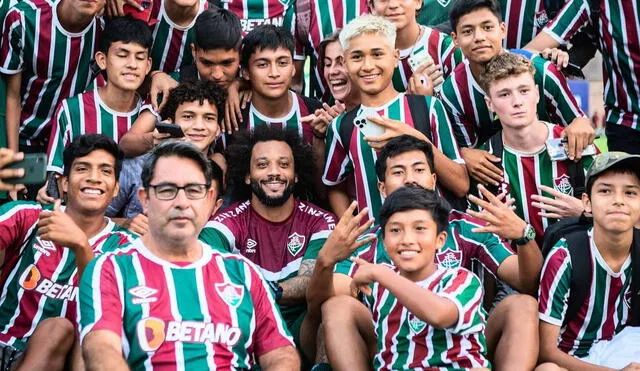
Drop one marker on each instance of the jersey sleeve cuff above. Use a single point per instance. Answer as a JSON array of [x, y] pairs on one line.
[[454, 300], [54, 169], [554, 36], [547, 318], [10, 71]]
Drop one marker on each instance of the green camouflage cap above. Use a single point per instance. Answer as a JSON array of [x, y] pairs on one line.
[[606, 160]]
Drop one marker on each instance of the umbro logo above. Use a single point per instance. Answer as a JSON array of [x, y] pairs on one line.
[[44, 247], [251, 246], [143, 294]]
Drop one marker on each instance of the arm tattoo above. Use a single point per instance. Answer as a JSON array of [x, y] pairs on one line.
[[294, 290]]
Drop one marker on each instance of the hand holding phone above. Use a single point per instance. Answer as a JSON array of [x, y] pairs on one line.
[[418, 59], [137, 13], [34, 166], [174, 131], [367, 127]]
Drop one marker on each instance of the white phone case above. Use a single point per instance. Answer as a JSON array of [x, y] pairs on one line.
[[418, 59], [366, 127]]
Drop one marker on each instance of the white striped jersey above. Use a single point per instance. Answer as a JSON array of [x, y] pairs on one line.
[[619, 29], [407, 342], [85, 113], [215, 313], [54, 62], [39, 278], [606, 309]]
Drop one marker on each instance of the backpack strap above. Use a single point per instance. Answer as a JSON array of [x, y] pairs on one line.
[[496, 147], [576, 177], [580, 254], [635, 279], [346, 127], [420, 114]]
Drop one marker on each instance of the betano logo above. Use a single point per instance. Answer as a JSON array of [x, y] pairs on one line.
[[32, 279], [153, 332]]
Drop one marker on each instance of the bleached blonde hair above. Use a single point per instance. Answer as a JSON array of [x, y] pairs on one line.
[[368, 24]]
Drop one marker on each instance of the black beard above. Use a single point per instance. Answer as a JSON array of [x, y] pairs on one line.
[[257, 190]]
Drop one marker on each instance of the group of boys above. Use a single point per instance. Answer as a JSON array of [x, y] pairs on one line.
[[114, 267]]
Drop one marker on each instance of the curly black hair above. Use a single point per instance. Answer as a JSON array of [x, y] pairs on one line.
[[238, 156], [191, 91]]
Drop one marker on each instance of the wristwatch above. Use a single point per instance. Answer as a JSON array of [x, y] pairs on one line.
[[529, 234]]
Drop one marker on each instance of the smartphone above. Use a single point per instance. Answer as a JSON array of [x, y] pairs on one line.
[[35, 169], [174, 131], [556, 147], [52, 185], [418, 59], [144, 14], [368, 128]]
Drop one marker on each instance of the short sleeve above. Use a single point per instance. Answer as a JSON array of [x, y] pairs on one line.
[[337, 162], [16, 221], [562, 106], [100, 305], [569, 20], [555, 281], [464, 289], [60, 137], [321, 232], [218, 235], [12, 43]]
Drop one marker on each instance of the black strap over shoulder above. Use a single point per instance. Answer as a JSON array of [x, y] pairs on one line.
[[346, 127], [420, 114], [576, 177], [580, 255]]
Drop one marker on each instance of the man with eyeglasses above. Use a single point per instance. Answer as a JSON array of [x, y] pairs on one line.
[[271, 171], [173, 300]]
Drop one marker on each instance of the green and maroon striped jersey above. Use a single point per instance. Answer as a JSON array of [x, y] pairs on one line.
[[300, 107], [461, 248], [439, 46], [606, 309], [54, 62], [213, 313], [619, 29], [524, 20], [405, 342], [463, 98], [85, 113], [39, 278], [253, 13], [360, 158], [171, 47], [524, 173]]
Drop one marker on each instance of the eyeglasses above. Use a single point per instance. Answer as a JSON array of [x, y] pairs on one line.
[[168, 191]]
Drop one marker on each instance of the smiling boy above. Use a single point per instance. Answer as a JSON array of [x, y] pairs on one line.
[[424, 315]]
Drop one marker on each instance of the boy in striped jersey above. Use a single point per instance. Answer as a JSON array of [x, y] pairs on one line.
[[46, 250], [173, 33], [45, 56], [479, 32], [267, 65], [407, 161], [368, 43], [543, 187], [170, 301], [612, 197], [619, 43], [425, 316], [110, 110], [216, 53], [413, 39], [273, 224]]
